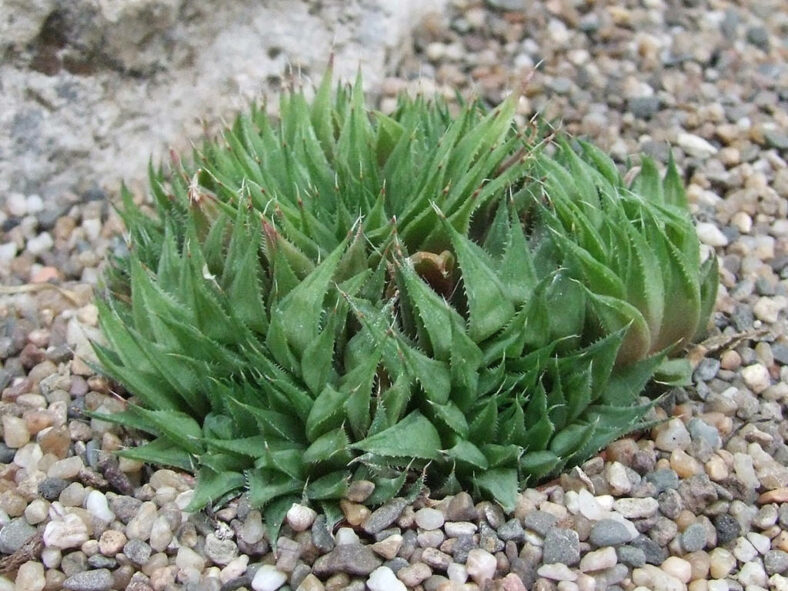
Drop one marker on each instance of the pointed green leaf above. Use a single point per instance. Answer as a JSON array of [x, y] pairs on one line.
[[413, 436]]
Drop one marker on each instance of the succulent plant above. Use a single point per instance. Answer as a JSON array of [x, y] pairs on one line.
[[410, 298]]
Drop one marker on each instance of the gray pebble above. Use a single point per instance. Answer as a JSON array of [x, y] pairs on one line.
[[410, 540], [610, 576], [461, 508], [663, 531], [384, 516], [396, 563], [631, 555], [540, 521], [608, 532], [700, 429], [643, 107], [670, 503], [15, 534], [563, 546], [727, 527], [782, 515], [780, 353], [221, 551], [321, 537], [89, 580], [73, 563], [137, 551], [488, 539], [101, 561], [775, 562], [663, 479], [697, 492], [707, 369], [462, 546], [653, 552], [124, 507], [561, 85], [508, 4], [776, 139], [693, 538], [50, 488], [6, 453], [353, 559], [759, 37], [511, 530]]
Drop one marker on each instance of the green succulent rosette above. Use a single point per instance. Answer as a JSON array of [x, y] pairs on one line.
[[414, 298]]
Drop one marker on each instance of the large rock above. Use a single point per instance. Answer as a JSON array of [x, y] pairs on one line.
[[92, 87]]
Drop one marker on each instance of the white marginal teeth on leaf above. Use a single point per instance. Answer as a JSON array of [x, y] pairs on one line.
[[405, 300]]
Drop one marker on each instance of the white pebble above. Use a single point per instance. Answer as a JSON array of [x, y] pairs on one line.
[[15, 431], [346, 536], [742, 464], [252, 530], [189, 559], [768, 309], [636, 508], [694, 145], [39, 244], [722, 563], [717, 585], [384, 579], [96, 504], [710, 234], [588, 506], [30, 577], [672, 435], [34, 204], [678, 567], [457, 573], [268, 578], [777, 583], [743, 550], [160, 534], [617, 478], [653, 578], [300, 517], [455, 529], [28, 456], [37, 511], [752, 573], [557, 572], [16, 205], [139, 526], [599, 559], [428, 518], [66, 468], [480, 565], [572, 502], [70, 532], [7, 251], [92, 228], [757, 377], [759, 541]]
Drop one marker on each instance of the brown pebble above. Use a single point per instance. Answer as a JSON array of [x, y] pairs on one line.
[[55, 441], [685, 519], [38, 420], [355, 513], [778, 495]]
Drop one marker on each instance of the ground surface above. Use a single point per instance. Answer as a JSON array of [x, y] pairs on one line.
[[700, 503]]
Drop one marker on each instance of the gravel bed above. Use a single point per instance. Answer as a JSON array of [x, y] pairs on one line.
[[699, 503]]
